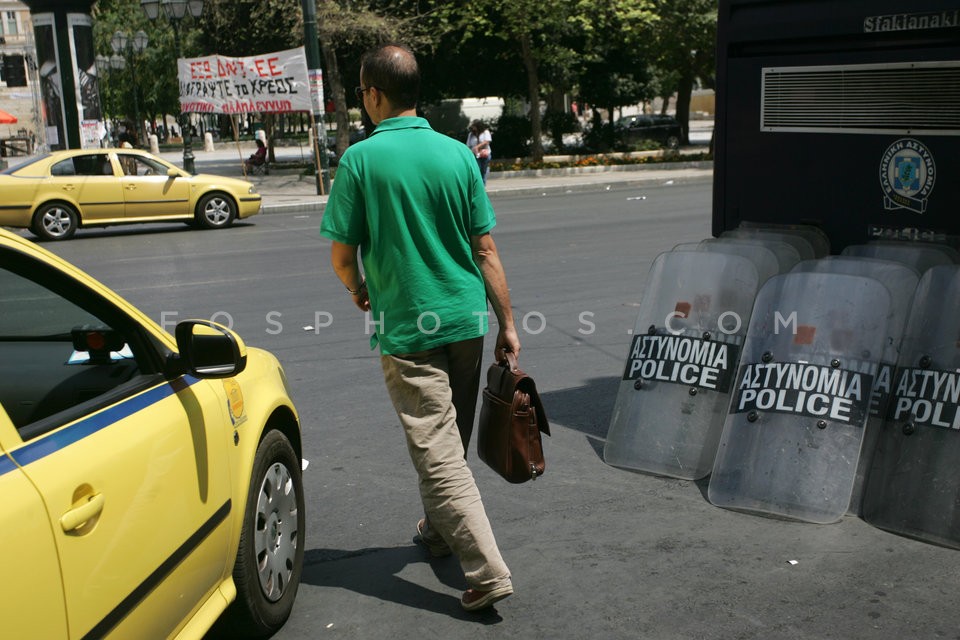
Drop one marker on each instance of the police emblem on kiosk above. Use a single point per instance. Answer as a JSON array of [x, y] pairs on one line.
[[907, 174]]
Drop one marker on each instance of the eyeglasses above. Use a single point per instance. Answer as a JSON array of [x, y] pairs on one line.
[[359, 91]]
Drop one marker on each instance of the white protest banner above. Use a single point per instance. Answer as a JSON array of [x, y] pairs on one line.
[[267, 83]]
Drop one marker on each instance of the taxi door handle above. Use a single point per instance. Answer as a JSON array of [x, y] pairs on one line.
[[68, 187], [76, 518], [131, 187]]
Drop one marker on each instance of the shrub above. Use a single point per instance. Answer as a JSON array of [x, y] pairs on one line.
[[511, 137]]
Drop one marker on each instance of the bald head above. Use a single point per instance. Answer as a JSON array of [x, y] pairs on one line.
[[393, 69]]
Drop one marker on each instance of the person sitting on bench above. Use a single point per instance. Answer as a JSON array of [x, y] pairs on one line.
[[258, 158]]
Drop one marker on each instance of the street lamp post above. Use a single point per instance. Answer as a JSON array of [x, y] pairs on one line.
[[123, 44], [110, 65], [175, 11]]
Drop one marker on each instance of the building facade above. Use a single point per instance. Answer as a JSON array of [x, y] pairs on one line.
[[19, 83]]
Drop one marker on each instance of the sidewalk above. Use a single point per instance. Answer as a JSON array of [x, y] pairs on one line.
[[286, 191], [293, 193]]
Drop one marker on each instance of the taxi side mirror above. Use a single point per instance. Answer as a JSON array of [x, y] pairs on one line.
[[173, 173], [209, 350]]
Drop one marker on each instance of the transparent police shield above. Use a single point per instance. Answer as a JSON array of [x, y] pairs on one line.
[[901, 282], [949, 252], [914, 254], [786, 254], [796, 240], [816, 236], [793, 433], [913, 487], [762, 257], [675, 385]]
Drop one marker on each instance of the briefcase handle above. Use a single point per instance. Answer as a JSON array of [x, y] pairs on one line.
[[510, 358]]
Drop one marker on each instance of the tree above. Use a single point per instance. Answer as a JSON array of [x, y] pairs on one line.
[[686, 41], [617, 70], [238, 28], [536, 30], [556, 42], [160, 96], [346, 29]]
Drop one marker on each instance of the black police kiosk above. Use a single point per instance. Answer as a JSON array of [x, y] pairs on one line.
[[840, 114]]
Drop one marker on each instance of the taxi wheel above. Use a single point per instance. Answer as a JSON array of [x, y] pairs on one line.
[[55, 221], [216, 211], [270, 555]]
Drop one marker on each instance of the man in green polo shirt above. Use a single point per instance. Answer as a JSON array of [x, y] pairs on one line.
[[412, 202]]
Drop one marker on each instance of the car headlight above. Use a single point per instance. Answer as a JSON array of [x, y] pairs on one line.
[[252, 189]]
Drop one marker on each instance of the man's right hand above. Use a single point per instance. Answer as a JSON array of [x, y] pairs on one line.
[[507, 341]]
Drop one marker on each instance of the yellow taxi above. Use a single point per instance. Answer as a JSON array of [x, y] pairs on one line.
[[54, 194], [150, 482]]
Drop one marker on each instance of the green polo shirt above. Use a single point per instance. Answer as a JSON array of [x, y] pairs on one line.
[[410, 198]]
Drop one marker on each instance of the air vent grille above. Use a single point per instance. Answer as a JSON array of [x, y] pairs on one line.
[[889, 98]]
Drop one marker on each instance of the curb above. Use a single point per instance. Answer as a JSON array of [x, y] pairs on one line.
[[587, 187], [614, 168], [500, 187], [294, 207]]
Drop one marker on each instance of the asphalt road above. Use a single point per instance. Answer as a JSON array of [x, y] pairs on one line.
[[596, 552]]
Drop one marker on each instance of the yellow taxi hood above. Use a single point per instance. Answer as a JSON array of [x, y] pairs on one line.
[[21, 244], [215, 181]]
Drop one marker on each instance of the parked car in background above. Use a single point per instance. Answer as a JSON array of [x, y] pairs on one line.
[[56, 193], [150, 483], [661, 129]]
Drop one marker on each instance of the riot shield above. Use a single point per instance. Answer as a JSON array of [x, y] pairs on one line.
[[816, 236], [952, 254], [797, 241], [762, 257], [787, 256], [913, 487], [675, 385], [913, 254], [901, 282], [792, 436]]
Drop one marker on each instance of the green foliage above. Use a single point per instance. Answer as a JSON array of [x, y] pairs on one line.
[[559, 123], [447, 118], [249, 27], [609, 54], [155, 69], [511, 137]]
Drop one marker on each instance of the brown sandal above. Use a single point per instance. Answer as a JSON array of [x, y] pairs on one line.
[[435, 545], [474, 600]]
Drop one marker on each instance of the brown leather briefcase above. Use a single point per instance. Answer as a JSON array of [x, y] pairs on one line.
[[511, 420]]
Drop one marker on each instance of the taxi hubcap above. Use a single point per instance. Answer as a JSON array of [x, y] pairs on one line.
[[275, 532], [217, 211], [56, 221]]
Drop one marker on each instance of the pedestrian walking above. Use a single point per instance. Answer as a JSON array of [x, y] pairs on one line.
[[479, 140], [412, 202]]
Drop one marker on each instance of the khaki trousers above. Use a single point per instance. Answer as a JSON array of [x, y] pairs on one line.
[[422, 387]]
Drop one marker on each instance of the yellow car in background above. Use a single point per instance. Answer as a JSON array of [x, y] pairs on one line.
[[56, 193], [150, 483]]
